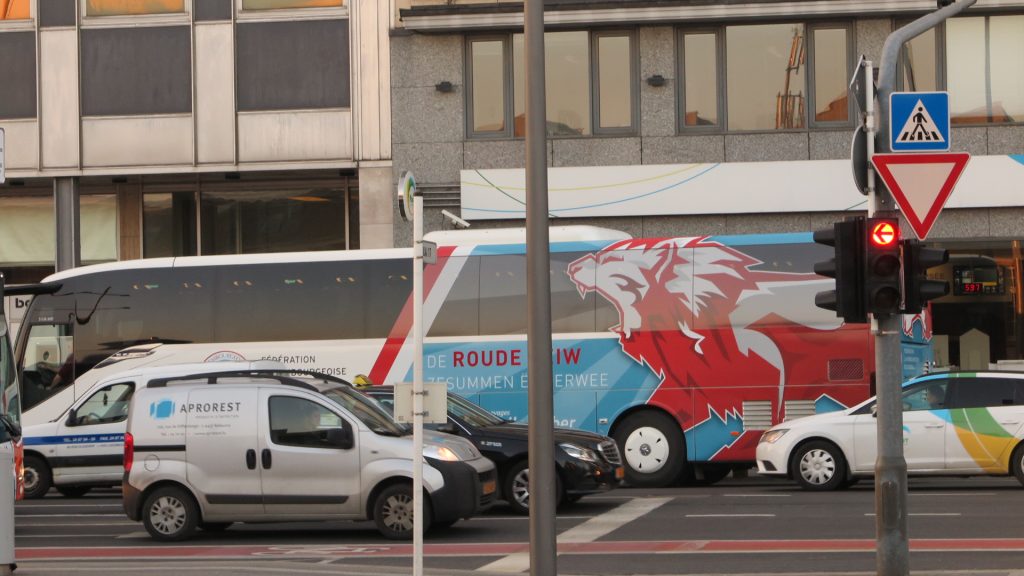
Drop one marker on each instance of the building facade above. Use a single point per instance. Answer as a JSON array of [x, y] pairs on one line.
[[188, 127], [691, 118]]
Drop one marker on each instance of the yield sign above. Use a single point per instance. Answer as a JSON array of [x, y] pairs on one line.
[[921, 183]]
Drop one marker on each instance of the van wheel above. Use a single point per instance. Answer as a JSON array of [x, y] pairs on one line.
[[393, 512], [38, 477], [819, 465], [517, 488], [73, 491], [1017, 463], [651, 444], [170, 514]]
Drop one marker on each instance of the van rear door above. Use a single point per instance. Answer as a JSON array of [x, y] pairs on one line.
[[303, 473], [221, 449]]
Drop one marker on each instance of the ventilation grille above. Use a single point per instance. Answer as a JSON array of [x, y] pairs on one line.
[[798, 409], [757, 415], [845, 369]]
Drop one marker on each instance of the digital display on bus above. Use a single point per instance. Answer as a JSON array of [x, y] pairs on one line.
[[978, 280]]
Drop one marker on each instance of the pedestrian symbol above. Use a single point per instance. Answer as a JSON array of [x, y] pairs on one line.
[[920, 127], [919, 121]]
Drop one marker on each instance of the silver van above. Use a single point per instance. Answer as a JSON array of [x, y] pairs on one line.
[[209, 449]]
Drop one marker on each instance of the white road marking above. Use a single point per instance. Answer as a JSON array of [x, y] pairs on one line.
[[588, 531]]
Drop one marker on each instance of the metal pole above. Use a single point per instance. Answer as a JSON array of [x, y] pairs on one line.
[[65, 207], [417, 385], [543, 546], [893, 557]]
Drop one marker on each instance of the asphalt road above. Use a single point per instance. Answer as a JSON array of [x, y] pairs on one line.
[[747, 525]]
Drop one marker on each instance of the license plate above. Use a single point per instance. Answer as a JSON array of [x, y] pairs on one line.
[[620, 473], [490, 486]]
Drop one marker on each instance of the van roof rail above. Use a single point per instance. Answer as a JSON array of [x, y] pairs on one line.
[[286, 377]]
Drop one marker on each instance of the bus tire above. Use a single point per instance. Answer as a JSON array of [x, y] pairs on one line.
[[38, 477], [652, 448]]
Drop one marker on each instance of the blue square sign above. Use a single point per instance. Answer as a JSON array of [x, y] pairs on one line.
[[919, 121]]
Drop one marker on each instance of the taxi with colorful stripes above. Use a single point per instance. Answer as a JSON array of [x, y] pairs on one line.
[[954, 424]]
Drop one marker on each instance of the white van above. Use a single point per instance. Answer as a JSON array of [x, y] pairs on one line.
[[84, 447], [208, 449]]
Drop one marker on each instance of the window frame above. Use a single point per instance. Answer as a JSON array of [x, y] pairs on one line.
[[942, 76], [133, 20], [593, 88], [22, 24], [940, 58], [721, 111], [721, 77], [812, 96], [289, 14], [298, 443], [120, 418]]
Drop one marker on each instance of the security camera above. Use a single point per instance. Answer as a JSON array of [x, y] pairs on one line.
[[455, 220]]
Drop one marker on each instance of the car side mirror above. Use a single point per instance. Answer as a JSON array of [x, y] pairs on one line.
[[10, 427], [448, 428], [340, 438], [72, 417], [874, 410]]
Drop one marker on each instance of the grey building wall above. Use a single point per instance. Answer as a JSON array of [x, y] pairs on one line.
[[429, 139]]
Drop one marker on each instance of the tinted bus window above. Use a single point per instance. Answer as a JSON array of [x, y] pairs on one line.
[[569, 311], [460, 313], [390, 283], [503, 294], [119, 309]]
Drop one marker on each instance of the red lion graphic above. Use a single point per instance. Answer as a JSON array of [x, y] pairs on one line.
[[715, 331]]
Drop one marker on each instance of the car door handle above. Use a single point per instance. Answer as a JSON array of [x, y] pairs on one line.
[[1014, 423], [250, 459], [934, 425], [265, 457]]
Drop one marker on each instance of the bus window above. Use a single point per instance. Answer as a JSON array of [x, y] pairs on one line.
[[503, 294], [571, 312], [49, 362], [460, 313]]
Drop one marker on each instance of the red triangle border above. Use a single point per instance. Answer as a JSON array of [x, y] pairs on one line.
[[921, 226]]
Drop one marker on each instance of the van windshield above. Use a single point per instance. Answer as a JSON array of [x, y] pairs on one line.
[[367, 410]]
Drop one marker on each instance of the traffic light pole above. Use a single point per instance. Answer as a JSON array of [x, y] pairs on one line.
[[893, 556]]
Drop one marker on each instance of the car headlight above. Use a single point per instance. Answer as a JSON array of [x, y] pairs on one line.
[[442, 453], [579, 452], [773, 435]]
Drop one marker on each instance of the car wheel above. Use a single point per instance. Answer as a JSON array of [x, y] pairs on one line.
[[516, 488], [38, 477], [652, 447], [819, 465], [73, 491], [1017, 463], [393, 512], [170, 514]]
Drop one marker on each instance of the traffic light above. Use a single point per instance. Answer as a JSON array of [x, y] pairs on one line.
[[846, 266], [882, 280], [917, 288]]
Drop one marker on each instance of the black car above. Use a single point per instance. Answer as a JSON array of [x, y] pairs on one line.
[[586, 463]]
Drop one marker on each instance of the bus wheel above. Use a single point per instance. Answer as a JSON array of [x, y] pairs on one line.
[[38, 477], [652, 449]]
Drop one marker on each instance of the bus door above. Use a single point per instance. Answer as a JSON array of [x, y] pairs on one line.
[[48, 367]]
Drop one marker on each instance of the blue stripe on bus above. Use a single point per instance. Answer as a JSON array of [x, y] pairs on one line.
[[759, 239], [579, 246], [73, 439]]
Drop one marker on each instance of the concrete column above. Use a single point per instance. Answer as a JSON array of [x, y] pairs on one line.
[[66, 207], [376, 207]]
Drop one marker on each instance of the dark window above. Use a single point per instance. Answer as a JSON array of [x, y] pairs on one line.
[[301, 422], [460, 313], [17, 76], [136, 71], [49, 360], [105, 406], [982, 393], [169, 224], [571, 312], [292, 65], [503, 294]]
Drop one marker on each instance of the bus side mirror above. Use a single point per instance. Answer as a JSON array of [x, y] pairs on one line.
[[340, 438]]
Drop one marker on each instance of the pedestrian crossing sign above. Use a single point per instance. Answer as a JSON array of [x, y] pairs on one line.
[[919, 121]]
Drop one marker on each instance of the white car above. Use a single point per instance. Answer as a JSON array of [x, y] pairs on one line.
[[954, 424]]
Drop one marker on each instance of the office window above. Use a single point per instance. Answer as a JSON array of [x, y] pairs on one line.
[[589, 80], [984, 73], [831, 103], [281, 4], [169, 224], [919, 65], [132, 7], [700, 79], [15, 10], [774, 77]]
